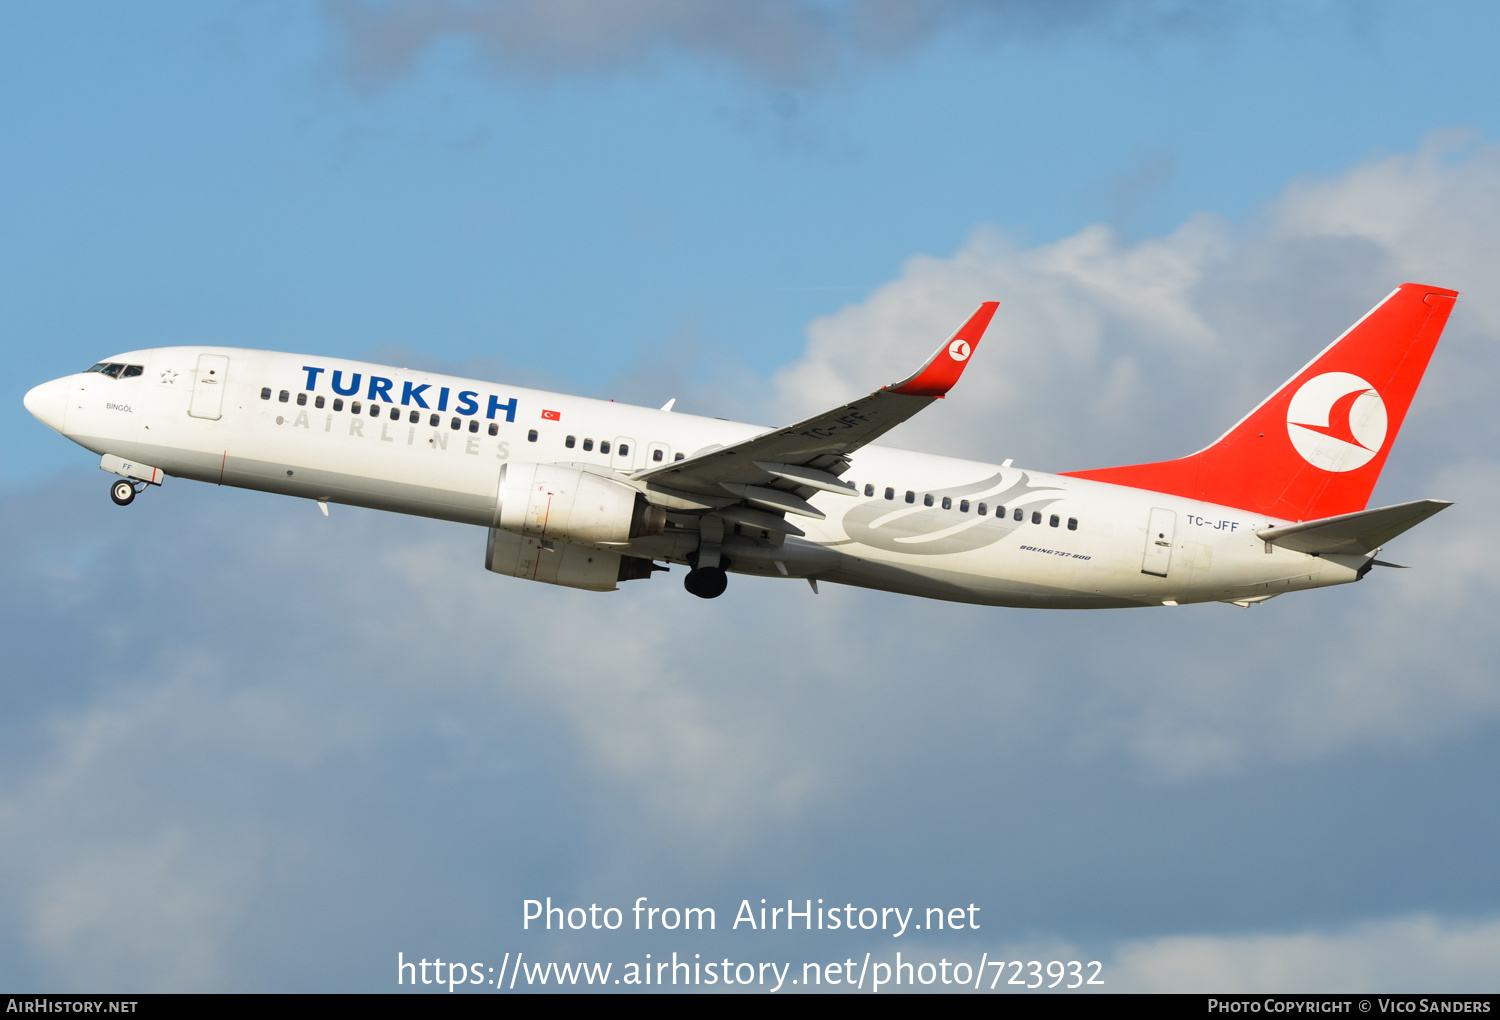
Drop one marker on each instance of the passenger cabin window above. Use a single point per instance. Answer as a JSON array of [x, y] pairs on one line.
[[302, 400], [318, 402], [1053, 521], [890, 493], [927, 499], [354, 408], [656, 454], [604, 446], [494, 429], [1072, 523], [338, 403], [947, 502], [265, 392], [283, 396], [869, 489], [531, 436], [588, 444], [911, 497], [395, 414], [1020, 514], [983, 509], [624, 450], [679, 457], [572, 441], [434, 421], [473, 424], [374, 410], [1036, 517], [963, 506], [456, 424], [415, 417]]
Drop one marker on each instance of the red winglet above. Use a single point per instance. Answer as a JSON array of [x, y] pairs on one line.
[[937, 377]]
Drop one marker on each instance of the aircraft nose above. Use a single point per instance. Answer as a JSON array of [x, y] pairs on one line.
[[49, 402]]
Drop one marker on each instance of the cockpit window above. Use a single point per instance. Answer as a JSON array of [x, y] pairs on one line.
[[115, 370]]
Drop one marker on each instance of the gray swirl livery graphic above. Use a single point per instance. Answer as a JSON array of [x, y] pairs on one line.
[[930, 530]]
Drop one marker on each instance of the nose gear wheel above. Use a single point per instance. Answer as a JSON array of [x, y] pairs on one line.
[[122, 492]]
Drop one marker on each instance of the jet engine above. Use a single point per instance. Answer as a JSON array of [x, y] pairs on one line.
[[552, 501], [550, 521]]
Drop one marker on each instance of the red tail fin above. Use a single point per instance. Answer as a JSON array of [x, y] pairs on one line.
[[1315, 447]]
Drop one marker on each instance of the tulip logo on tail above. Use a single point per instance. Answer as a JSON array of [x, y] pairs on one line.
[[1336, 421], [958, 350]]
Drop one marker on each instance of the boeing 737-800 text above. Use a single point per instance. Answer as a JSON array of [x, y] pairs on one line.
[[590, 493]]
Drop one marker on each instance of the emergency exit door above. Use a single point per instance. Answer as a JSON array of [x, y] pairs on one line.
[[1159, 542]]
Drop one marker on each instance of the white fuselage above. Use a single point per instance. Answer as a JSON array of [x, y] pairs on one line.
[[1128, 547]]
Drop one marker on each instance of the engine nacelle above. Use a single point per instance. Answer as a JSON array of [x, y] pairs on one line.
[[550, 520], [556, 562], [551, 501]]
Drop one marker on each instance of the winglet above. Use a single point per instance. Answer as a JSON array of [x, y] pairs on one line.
[[938, 376]]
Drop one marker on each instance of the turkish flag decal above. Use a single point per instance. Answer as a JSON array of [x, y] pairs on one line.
[[552, 415]]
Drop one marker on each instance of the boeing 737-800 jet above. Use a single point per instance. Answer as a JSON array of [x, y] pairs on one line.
[[589, 493]]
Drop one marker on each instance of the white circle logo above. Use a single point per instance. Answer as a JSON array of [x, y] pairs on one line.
[[1336, 421], [958, 350]]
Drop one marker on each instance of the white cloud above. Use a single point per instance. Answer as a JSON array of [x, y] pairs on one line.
[[110, 874], [1422, 953], [1412, 954], [1104, 348], [161, 817], [1111, 352]]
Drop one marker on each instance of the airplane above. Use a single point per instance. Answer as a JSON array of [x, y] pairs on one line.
[[589, 494]]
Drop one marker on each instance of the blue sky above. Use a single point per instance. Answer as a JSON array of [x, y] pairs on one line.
[[248, 748]]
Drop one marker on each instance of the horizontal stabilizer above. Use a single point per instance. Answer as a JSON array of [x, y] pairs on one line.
[[1354, 534]]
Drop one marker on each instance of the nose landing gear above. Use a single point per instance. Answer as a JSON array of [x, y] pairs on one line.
[[123, 492], [134, 477]]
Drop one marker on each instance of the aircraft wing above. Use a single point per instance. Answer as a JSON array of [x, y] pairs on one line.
[[777, 470]]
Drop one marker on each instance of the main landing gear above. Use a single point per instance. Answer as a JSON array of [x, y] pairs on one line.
[[123, 492], [706, 582]]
